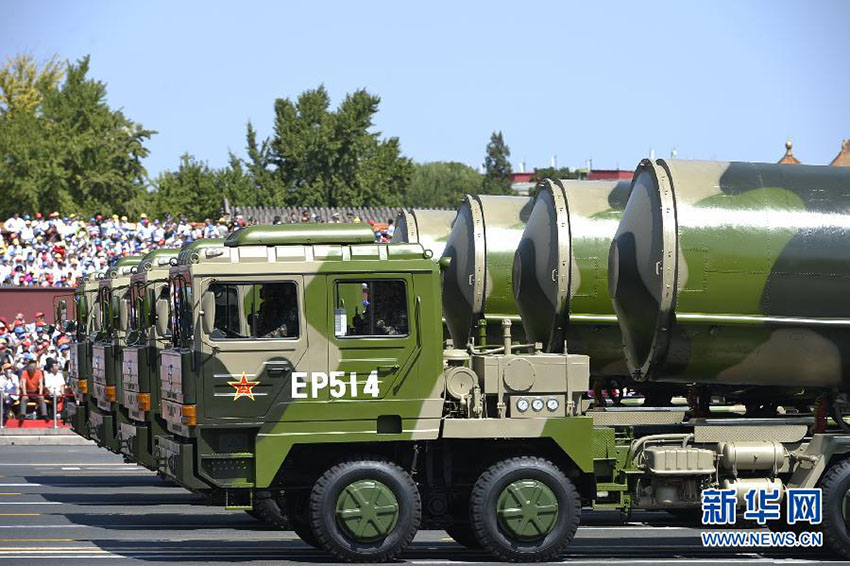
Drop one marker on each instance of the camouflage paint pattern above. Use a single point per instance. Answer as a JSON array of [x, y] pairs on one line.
[[735, 273], [560, 279], [478, 281], [242, 442]]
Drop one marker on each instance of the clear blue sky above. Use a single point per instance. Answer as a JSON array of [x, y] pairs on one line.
[[607, 81]]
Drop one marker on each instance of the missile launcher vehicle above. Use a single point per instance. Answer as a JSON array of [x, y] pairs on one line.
[[110, 313]]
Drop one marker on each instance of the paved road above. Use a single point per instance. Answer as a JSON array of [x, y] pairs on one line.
[[72, 505]]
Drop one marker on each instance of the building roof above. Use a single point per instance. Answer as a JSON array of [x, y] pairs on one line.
[[843, 157], [789, 158]]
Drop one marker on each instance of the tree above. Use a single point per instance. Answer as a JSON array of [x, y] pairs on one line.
[[323, 157], [23, 80], [497, 167], [197, 190], [69, 150], [441, 184]]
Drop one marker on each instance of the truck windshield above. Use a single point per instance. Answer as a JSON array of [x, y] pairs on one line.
[[104, 298], [181, 311], [138, 309], [81, 314]]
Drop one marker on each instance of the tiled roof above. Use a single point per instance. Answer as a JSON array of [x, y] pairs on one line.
[[789, 158], [843, 157]]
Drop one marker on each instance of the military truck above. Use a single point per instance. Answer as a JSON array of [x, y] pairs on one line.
[[79, 373], [140, 359], [305, 366], [391, 433], [111, 314]]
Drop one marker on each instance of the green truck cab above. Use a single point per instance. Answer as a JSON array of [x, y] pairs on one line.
[[79, 372], [140, 359], [111, 314], [307, 366]]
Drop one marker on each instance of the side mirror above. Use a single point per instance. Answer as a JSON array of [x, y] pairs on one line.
[[162, 316], [123, 313], [95, 316], [208, 312]]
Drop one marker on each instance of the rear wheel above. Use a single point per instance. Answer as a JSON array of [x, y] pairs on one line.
[[524, 510], [463, 534], [835, 486], [269, 511], [365, 510]]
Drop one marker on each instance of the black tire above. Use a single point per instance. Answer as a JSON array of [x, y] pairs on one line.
[[463, 534], [334, 538], [296, 511], [254, 515], [835, 484], [269, 511], [492, 535]]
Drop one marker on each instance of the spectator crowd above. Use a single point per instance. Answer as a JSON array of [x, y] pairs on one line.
[[56, 250], [34, 358]]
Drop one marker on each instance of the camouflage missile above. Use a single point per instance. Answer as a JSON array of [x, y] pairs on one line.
[[430, 228], [735, 273], [560, 279], [478, 281]]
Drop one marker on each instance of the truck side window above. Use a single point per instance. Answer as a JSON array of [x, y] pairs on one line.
[[261, 310], [276, 310], [373, 307], [227, 322]]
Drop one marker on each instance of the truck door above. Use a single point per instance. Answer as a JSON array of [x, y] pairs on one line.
[[258, 337], [375, 339]]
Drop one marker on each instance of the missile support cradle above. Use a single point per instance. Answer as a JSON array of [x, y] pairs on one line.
[[300, 373]]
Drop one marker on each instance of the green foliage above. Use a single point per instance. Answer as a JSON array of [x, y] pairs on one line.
[[197, 190], [323, 157], [497, 167], [69, 150], [23, 80], [441, 184], [553, 173]]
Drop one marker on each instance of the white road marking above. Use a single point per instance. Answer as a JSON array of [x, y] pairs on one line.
[[20, 484], [30, 503], [70, 468]]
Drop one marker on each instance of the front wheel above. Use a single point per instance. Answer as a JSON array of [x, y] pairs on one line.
[[524, 510], [365, 510]]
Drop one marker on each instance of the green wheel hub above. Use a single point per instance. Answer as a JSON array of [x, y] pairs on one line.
[[367, 510], [527, 509]]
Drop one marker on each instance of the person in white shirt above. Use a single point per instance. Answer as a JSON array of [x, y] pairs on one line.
[[9, 386], [54, 384]]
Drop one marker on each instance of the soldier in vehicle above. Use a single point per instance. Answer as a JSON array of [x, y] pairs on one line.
[[278, 313]]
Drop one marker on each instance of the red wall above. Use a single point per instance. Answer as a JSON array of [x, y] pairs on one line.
[[30, 300]]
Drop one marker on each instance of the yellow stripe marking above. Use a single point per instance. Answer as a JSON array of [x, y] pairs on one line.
[[11, 493]]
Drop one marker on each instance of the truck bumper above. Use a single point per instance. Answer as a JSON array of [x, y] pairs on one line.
[[79, 418], [101, 427], [134, 442], [176, 460]]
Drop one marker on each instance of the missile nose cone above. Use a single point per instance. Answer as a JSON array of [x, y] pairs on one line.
[[637, 273]]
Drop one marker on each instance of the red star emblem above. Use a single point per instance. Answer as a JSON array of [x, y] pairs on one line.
[[244, 388]]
